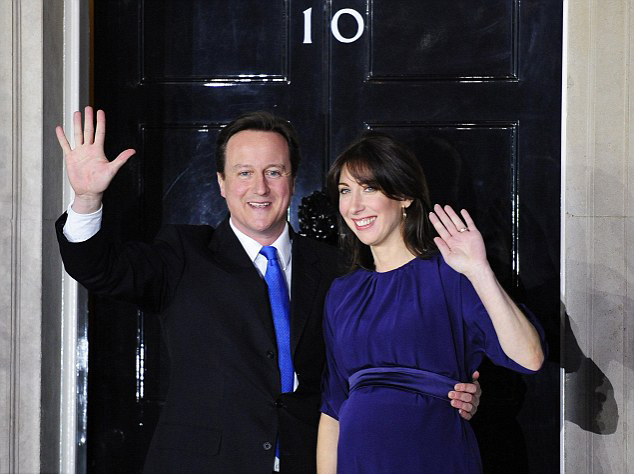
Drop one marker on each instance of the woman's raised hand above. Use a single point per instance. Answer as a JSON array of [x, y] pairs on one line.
[[89, 171], [459, 242]]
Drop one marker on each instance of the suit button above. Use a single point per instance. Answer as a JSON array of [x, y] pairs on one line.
[[267, 445], [279, 404], [270, 354]]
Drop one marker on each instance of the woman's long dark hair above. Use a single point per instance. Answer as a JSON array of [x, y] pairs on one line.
[[379, 161]]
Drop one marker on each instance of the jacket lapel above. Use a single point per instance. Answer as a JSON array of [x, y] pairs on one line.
[[232, 258], [304, 286]]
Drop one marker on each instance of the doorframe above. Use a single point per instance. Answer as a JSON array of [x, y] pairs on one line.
[[74, 337], [562, 224], [77, 60]]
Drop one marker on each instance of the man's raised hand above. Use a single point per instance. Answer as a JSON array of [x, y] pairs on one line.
[[89, 171], [466, 397]]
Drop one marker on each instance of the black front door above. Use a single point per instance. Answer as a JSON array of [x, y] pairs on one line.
[[472, 86]]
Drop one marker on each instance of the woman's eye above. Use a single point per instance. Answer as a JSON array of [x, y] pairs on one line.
[[369, 189], [344, 190]]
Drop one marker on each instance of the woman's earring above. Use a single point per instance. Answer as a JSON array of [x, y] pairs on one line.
[[404, 213]]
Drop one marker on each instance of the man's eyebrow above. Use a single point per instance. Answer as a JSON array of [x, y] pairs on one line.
[[273, 165]]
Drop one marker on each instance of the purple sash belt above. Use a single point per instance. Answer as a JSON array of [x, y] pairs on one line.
[[404, 378]]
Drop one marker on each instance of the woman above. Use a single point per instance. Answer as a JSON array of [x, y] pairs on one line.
[[408, 322]]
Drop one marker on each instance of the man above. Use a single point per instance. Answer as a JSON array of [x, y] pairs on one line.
[[244, 367]]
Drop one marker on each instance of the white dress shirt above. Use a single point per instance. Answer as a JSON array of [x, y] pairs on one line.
[[81, 227], [282, 245]]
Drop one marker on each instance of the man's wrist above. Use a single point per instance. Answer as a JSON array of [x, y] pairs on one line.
[[87, 204]]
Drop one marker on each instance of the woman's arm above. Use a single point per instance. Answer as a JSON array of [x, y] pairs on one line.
[[462, 247], [327, 439], [518, 338]]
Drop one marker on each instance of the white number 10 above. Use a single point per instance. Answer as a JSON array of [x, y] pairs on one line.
[[334, 25]]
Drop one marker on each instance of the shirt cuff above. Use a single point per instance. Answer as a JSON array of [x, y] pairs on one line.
[[81, 227]]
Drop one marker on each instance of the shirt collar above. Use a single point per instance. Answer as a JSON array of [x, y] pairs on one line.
[[252, 247]]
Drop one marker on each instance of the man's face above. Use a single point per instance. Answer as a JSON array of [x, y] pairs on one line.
[[257, 183]]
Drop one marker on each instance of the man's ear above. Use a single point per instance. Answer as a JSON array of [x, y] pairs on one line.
[[221, 183]]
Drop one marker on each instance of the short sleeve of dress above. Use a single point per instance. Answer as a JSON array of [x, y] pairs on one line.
[[334, 385], [481, 337]]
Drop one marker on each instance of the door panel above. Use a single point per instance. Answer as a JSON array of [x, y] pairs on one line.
[[473, 166], [472, 86], [434, 40], [195, 41], [179, 176]]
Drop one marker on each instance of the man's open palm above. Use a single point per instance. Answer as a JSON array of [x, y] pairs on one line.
[[89, 171]]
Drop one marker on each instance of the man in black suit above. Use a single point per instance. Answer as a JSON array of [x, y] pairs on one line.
[[224, 411]]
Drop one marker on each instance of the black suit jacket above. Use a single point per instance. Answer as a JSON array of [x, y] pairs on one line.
[[224, 409]]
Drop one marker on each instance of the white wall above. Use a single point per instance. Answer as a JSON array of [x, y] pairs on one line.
[[598, 238], [30, 187], [21, 117]]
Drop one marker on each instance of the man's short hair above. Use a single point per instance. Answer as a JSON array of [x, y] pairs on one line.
[[261, 121]]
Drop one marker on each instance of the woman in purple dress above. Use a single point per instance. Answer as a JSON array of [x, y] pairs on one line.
[[416, 314]]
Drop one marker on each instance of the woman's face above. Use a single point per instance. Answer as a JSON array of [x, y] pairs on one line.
[[373, 217]]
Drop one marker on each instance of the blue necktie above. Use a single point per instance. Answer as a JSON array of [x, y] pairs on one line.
[[278, 298]]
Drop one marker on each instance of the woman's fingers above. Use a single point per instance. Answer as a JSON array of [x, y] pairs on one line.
[[468, 220], [444, 218], [440, 228], [455, 219], [442, 246], [449, 224]]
